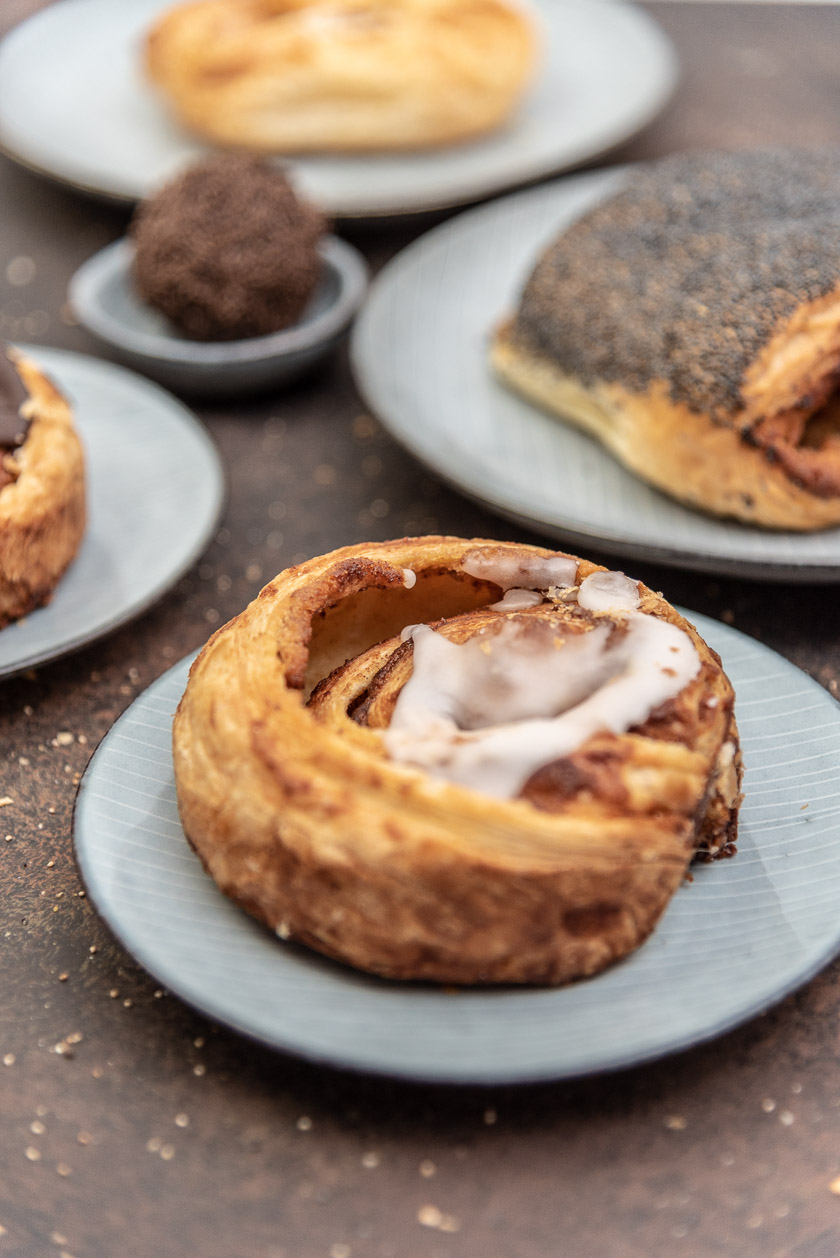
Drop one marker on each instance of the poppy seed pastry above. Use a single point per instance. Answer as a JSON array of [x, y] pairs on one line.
[[227, 250], [299, 76], [42, 486], [691, 322], [457, 760]]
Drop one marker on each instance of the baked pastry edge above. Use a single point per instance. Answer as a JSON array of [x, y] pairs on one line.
[[705, 464]]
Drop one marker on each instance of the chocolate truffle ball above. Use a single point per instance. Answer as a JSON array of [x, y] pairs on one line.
[[227, 249]]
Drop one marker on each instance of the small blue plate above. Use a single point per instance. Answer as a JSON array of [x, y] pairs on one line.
[[105, 301]]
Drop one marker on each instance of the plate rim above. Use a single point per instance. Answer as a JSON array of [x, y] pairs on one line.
[[339, 257], [665, 72], [138, 606], [444, 1075], [363, 361]]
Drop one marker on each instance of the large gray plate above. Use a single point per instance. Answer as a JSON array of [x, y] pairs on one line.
[[155, 488], [739, 937], [420, 357], [88, 118]]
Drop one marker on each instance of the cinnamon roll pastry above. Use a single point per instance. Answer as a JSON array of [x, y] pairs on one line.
[[691, 323], [292, 76], [457, 760], [42, 486]]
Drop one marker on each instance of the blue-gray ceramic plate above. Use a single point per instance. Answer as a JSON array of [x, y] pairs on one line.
[[104, 299], [742, 935], [155, 490]]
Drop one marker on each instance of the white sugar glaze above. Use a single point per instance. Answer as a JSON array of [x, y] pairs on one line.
[[528, 573], [608, 591], [515, 600], [489, 712]]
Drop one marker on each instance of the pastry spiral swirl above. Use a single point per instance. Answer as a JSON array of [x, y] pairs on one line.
[[297, 76], [325, 800]]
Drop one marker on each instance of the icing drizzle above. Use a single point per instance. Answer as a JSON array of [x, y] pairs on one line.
[[488, 712]]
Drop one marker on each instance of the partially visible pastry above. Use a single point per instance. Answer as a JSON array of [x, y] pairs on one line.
[[227, 249], [296, 76], [42, 486], [457, 760], [691, 322]]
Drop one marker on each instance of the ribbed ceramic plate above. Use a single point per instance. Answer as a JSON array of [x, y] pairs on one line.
[[155, 489], [420, 357], [88, 118], [742, 935]]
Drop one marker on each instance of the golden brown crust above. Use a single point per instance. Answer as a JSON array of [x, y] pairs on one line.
[[300, 815], [42, 509], [689, 456], [290, 76], [691, 322]]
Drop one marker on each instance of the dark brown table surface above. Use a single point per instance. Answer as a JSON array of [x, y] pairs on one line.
[[131, 1126]]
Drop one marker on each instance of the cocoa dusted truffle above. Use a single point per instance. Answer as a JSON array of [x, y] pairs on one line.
[[227, 250]]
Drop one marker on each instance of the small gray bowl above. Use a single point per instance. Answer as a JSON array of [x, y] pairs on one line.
[[104, 299]]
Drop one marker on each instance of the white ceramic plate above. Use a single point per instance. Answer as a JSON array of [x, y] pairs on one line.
[[742, 935], [420, 358], [155, 491], [88, 118]]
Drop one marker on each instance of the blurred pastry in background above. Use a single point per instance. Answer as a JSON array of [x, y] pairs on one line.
[[294, 76], [227, 250], [691, 323], [42, 486]]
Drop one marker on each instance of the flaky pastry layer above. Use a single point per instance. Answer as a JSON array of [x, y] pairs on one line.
[[291, 76], [687, 455], [42, 510], [288, 794]]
